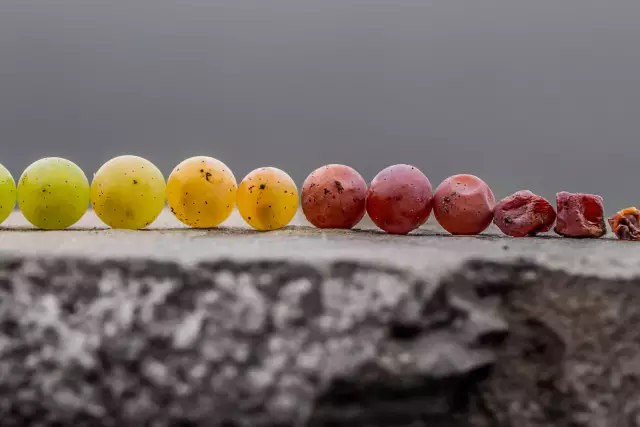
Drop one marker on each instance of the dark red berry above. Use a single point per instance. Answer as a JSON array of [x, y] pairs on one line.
[[399, 199], [524, 214]]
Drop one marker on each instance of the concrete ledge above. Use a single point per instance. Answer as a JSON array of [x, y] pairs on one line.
[[292, 343]]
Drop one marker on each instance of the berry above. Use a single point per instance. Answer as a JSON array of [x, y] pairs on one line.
[[128, 192], [201, 192], [7, 193], [524, 214], [267, 199], [626, 224], [53, 193], [334, 196], [463, 205], [580, 215], [400, 199]]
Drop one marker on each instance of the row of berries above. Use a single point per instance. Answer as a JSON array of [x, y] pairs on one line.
[[400, 199], [130, 192]]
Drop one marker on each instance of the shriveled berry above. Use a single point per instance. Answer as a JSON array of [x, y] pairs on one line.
[[334, 196], [580, 215], [399, 199], [463, 205], [626, 224], [524, 214]]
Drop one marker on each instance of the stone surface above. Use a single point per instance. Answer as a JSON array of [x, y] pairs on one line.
[[305, 328], [572, 355], [429, 250], [224, 343]]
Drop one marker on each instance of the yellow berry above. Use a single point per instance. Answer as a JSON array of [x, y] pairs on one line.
[[201, 192], [267, 198], [128, 192]]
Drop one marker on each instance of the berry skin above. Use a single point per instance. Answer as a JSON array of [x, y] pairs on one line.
[[267, 199], [128, 192], [201, 192], [334, 196], [580, 215], [524, 214], [400, 199], [463, 205]]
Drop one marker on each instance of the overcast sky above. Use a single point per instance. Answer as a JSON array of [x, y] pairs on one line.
[[538, 94]]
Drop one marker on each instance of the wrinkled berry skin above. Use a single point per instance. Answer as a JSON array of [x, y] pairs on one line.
[[334, 196], [400, 199], [524, 214], [580, 215], [463, 205], [626, 224]]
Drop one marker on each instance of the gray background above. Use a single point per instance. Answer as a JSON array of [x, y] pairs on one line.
[[526, 94]]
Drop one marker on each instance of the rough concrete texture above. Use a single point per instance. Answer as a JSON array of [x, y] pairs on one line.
[[446, 332]]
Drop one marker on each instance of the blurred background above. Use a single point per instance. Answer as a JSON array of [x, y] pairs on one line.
[[537, 94]]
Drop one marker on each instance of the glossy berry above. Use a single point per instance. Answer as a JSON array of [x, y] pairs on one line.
[[626, 224], [334, 196], [399, 199], [524, 214], [463, 205], [580, 215]]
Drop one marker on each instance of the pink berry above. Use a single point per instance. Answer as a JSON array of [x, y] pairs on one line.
[[580, 215], [399, 199], [463, 205], [524, 214], [334, 196]]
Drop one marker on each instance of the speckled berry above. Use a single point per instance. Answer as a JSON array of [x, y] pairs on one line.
[[201, 192], [267, 198], [53, 193], [463, 205], [334, 196], [128, 192]]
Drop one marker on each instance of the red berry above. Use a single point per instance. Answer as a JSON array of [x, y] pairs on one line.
[[524, 214], [334, 196], [463, 204], [580, 215], [626, 224], [399, 199]]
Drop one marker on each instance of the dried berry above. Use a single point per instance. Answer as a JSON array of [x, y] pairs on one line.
[[463, 205], [524, 214], [580, 215], [399, 199], [333, 196], [626, 224]]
